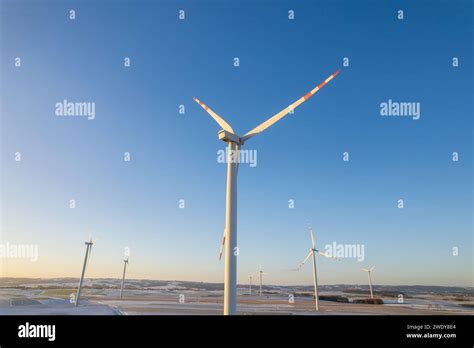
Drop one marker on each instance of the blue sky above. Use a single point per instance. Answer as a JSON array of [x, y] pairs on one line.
[[174, 156]]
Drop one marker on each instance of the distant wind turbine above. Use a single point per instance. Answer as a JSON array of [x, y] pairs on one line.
[[312, 253], [369, 274], [261, 274], [125, 262], [86, 260], [250, 285], [234, 142]]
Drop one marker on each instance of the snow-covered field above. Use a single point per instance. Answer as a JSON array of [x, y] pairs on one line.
[[149, 297]]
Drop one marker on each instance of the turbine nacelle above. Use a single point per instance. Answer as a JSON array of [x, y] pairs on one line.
[[227, 137]]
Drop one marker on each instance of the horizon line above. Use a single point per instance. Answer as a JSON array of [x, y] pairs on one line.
[[208, 282]]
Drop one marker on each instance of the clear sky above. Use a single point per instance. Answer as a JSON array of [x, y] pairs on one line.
[[174, 156]]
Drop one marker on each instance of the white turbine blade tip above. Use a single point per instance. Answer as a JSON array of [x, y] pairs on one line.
[[275, 118], [220, 121]]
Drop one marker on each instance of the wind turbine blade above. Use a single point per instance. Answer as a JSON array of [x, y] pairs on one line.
[[305, 259], [364, 269], [215, 116], [328, 256], [312, 237], [222, 246], [272, 120], [308, 256]]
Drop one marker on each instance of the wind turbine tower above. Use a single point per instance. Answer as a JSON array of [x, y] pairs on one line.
[[312, 253], [369, 274], [86, 259], [125, 263], [261, 274]]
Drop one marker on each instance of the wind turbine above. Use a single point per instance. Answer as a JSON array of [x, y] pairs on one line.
[[250, 285], [234, 142], [369, 274], [125, 262], [86, 260], [312, 253], [261, 273]]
